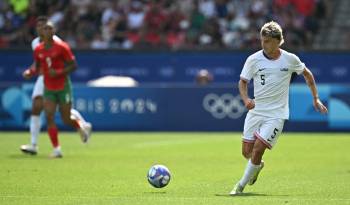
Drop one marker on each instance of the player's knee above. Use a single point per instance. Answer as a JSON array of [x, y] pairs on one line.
[[50, 120], [257, 154], [66, 120], [37, 106], [257, 151]]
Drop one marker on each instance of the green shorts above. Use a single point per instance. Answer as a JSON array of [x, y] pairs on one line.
[[60, 96]]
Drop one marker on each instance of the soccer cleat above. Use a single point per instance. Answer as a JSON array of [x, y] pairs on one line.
[[85, 132], [237, 189], [56, 154], [29, 149], [255, 177]]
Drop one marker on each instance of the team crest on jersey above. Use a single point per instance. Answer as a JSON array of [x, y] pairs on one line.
[[284, 69]]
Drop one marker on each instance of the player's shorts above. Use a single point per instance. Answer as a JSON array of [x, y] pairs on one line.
[[264, 128], [38, 90], [60, 96]]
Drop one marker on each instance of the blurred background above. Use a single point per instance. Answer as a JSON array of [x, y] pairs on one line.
[[174, 65], [183, 24]]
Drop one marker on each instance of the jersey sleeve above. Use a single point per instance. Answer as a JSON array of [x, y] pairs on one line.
[[248, 69], [67, 52], [296, 65], [56, 38], [35, 43]]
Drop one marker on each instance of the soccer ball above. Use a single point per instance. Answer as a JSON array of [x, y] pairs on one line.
[[158, 176]]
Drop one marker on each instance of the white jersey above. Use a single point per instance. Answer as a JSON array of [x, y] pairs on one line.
[[271, 82], [37, 41]]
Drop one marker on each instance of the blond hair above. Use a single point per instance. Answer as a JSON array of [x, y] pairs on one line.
[[272, 29]]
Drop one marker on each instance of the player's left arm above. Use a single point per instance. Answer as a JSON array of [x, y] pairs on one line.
[[310, 81], [69, 67], [70, 63], [69, 60]]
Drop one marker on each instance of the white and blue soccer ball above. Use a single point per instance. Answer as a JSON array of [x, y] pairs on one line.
[[158, 176]]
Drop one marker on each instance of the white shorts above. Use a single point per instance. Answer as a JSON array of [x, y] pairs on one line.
[[38, 89], [264, 128]]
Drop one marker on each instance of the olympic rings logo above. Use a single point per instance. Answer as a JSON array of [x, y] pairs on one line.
[[223, 106]]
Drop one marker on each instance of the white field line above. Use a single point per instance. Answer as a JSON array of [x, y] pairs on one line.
[[175, 198]]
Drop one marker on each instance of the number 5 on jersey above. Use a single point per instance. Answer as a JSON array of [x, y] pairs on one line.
[[262, 77]]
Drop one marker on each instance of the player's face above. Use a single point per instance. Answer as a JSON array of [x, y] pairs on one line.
[[269, 44], [48, 32]]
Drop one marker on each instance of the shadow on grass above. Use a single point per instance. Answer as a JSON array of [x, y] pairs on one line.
[[247, 195], [155, 192], [28, 156]]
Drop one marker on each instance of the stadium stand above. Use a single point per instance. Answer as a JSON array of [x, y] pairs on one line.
[[335, 30], [186, 24]]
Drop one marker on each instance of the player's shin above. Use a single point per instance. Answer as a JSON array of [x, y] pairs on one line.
[[249, 172], [35, 126], [53, 134]]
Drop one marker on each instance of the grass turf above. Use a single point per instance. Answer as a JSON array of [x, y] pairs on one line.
[[302, 169]]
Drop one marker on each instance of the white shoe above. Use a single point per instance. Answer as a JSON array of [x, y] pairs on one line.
[[255, 177], [85, 132], [56, 154], [237, 189], [29, 149]]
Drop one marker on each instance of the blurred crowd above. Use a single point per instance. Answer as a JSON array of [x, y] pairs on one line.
[[169, 24]]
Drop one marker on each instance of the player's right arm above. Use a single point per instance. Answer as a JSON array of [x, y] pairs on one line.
[[33, 70], [243, 91], [246, 75]]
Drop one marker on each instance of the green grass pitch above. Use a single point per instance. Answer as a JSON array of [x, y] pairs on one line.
[[111, 169]]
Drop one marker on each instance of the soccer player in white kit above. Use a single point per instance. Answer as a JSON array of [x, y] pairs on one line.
[[271, 69], [37, 98]]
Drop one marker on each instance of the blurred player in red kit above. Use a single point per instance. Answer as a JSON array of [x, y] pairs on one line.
[[55, 60]]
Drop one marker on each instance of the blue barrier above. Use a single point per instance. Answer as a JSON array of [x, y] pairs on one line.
[[193, 108], [172, 67]]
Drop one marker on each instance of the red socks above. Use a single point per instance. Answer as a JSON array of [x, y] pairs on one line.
[[53, 134]]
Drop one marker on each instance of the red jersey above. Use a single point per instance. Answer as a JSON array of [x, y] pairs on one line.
[[55, 58]]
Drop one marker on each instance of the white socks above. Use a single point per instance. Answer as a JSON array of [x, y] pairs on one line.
[[35, 126], [57, 149], [74, 114], [249, 172]]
